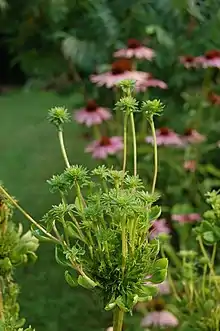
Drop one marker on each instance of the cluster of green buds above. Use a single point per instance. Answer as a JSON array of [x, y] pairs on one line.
[[16, 248]]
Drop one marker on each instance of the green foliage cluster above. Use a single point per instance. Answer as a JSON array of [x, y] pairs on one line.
[[16, 248], [50, 37]]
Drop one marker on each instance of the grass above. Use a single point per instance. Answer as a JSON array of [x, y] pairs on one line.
[[29, 155]]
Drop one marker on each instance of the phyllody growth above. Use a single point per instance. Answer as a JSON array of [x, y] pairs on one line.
[[102, 238]]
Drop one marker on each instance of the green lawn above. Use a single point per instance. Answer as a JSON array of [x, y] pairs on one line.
[[29, 155]]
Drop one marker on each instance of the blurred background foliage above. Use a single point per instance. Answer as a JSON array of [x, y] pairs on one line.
[[56, 44]]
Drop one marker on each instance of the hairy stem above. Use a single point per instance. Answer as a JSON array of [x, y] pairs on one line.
[[12, 200], [155, 154], [125, 142], [134, 143], [118, 318], [63, 149]]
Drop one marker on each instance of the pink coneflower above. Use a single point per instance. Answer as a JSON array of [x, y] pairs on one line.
[[166, 137], [161, 318], [210, 59], [190, 165], [163, 288], [159, 227], [186, 218], [192, 136], [92, 114], [100, 149], [214, 98], [189, 61], [135, 50], [142, 86], [121, 69]]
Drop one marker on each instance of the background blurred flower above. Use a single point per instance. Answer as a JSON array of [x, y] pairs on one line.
[[163, 288], [210, 59], [193, 136], [186, 218], [100, 149], [135, 49], [214, 98], [190, 165], [121, 69], [142, 86], [166, 137], [159, 227], [162, 319], [189, 61], [92, 114]]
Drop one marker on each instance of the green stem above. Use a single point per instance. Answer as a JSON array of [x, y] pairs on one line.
[[212, 271], [134, 143], [125, 142], [204, 280], [118, 319], [172, 255], [124, 245], [96, 131], [155, 154], [63, 150], [1, 306], [27, 215], [170, 279], [213, 254]]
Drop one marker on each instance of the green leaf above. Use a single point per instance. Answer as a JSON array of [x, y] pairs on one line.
[[193, 9], [148, 291], [161, 264], [209, 237], [110, 306], [60, 256], [154, 213], [206, 226], [162, 36], [32, 257], [77, 204], [120, 303], [86, 282], [155, 246], [71, 230], [70, 279], [158, 277]]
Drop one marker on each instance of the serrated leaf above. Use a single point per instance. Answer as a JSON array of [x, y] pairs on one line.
[[70, 279], [86, 282]]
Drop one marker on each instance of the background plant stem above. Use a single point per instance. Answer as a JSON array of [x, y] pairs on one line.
[[125, 142], [155, 154], [134, 143]]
